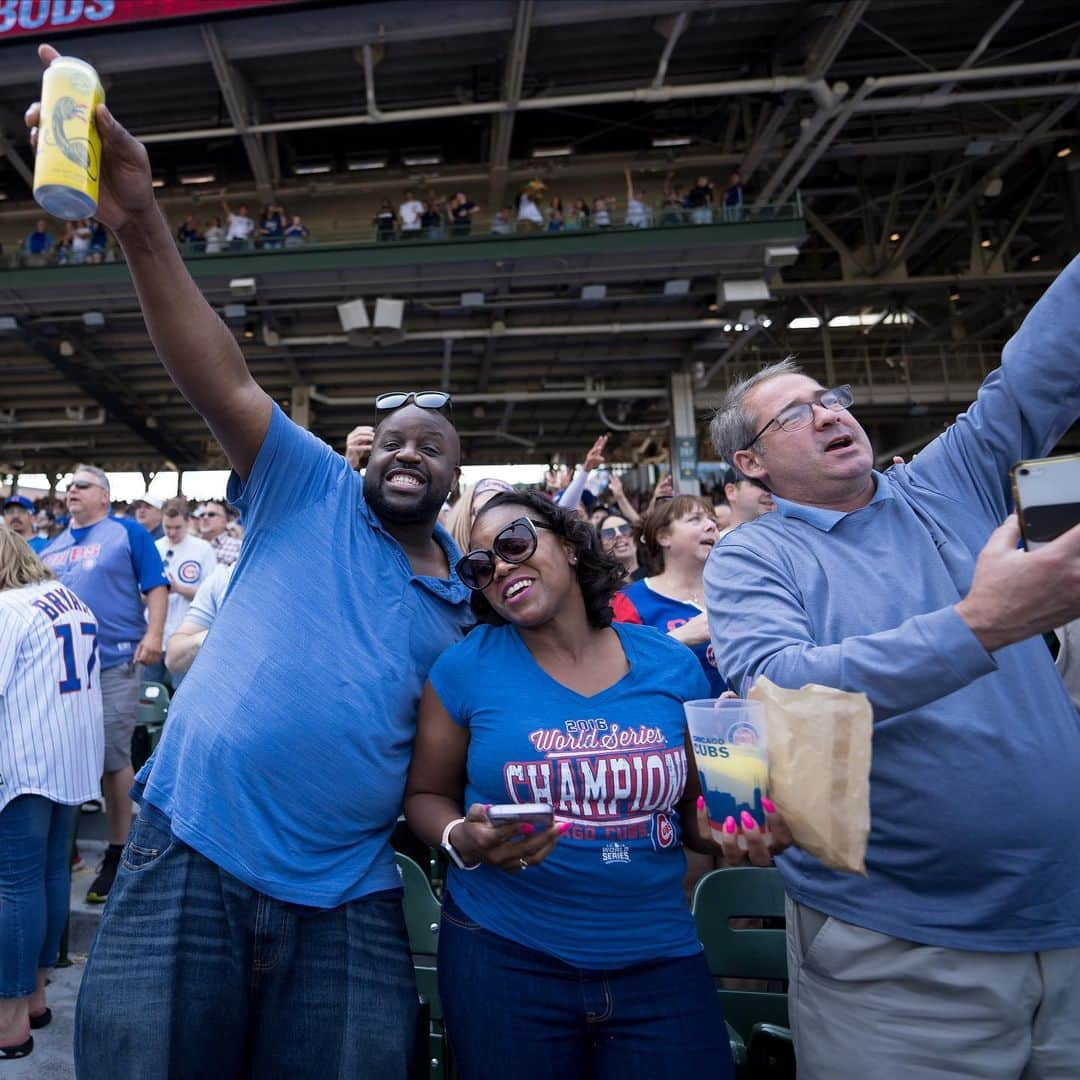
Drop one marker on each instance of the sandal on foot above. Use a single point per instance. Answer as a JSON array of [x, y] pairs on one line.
[[43, 1019], [10, 1053]]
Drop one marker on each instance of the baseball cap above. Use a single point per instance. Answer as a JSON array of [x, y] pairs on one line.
[[19, 500], [150, 500]]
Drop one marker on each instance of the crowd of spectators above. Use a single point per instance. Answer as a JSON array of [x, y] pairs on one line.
[[434, 217]]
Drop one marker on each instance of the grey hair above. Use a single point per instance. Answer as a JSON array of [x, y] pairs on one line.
[[734, 425], [98, 474]]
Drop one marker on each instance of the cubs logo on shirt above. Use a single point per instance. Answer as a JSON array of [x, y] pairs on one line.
[[189, 571]]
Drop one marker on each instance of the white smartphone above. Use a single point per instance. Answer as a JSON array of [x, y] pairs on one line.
[[1047, 497], [539, 815]]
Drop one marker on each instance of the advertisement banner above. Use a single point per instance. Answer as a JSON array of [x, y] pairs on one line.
[[43, 18]]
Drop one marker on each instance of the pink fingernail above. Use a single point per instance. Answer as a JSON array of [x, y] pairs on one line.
[[528, 829], [730, 827], [564, 826], [701, 802], [748, 822], [769, 805]]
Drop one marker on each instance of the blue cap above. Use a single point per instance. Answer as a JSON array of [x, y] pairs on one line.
[[19, 500]]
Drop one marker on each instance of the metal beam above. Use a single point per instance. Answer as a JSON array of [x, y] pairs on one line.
[[237, 99], [975, 191], [503, 133], [984, 42], [118, 409], [732, 353], [673, 34]]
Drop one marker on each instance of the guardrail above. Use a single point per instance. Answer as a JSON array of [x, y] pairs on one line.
[[662, 216]]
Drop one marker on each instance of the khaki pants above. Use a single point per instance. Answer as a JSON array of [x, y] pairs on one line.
[[866, 1006]]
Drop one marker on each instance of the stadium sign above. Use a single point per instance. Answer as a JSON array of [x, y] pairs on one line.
[[49, 17]]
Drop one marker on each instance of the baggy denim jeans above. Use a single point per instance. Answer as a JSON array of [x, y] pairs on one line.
[[194, 974]]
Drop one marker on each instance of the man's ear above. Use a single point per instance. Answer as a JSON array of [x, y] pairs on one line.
[[750, 464]]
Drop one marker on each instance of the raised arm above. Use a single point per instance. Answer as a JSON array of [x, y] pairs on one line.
[[197, 349]]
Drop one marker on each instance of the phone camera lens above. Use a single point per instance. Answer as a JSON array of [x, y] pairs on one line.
[[1025, 472]]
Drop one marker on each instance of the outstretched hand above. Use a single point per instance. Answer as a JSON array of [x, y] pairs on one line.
[[594, 459], [126, 190]]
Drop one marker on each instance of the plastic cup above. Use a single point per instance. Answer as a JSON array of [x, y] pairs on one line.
[[732, 758]]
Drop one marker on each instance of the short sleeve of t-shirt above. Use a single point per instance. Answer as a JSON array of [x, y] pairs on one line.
[[145, 557], [207, 600], [293, 470], [447, 674]]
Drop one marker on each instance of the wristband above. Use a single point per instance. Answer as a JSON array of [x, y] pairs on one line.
[[451, 851]]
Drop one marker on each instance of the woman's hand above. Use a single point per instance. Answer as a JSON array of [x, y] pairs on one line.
[[760, 845], [594, 459], [512, 847], [126, 191]]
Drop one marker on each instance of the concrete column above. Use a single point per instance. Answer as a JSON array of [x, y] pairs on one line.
[[683, 434], [300, 408]]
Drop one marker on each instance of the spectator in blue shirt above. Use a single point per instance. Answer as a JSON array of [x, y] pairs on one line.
[[40, 241], [962, 943], [259, 866], [19, 518], [583, 925], [111, 564]]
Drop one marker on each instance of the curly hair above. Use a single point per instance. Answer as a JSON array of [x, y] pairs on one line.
[[599, 576]]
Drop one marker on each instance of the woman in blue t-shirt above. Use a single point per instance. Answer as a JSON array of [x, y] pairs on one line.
[[566, 950]]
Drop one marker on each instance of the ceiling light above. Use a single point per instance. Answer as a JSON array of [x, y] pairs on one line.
[[552, 151], [93, 320], [365, 164], [66, 348], [242, 288], [234, 312], [1064, 152], [993, 187], [8, 323], [312, 168], [766, 322], [727, 328], [894, 236], [472, 299], [1036, 258], [671, 140], [198, 176], [954, 294], [804, 322], [739, 328], [3, 196], [422, 157], [157, 181], [249, 331], [593, 292], [714, 307], [677, 287], [984, 243]]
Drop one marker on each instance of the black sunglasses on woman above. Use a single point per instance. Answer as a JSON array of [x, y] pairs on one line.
[[513, 544]]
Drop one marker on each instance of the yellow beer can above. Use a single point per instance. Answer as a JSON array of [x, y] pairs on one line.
[[67, 169]]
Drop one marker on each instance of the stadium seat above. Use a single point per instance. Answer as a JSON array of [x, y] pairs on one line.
[[423, 914], [150, 718], [759, 1017]]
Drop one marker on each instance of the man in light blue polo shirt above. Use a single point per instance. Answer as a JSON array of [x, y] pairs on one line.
[[255, 925], [959, 952]]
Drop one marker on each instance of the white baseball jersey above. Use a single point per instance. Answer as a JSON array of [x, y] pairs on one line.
[[52, 736], [190, 562]]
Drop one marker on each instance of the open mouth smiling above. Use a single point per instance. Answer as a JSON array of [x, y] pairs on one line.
[[841, 442], [404, 480]]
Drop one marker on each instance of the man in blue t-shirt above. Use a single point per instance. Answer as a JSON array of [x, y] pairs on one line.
[[959, 951], [19, 518], [111, 564], [260, 867]]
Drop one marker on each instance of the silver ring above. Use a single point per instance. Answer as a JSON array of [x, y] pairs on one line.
[[524, 863]]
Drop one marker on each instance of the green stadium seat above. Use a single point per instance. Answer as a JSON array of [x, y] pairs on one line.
[[759, 1017], [150, 716], [423, 914]]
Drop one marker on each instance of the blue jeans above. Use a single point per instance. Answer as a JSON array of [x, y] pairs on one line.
[[35, 888], [514, 1012], [194, 974]]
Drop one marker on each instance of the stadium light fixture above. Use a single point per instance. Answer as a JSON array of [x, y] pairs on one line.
[[564, 150], [421, 157], [312, 168], [1063, 152], [1036, 258], [894, 237], [663, 141], [365, 164], [985, 243], [197, 176]]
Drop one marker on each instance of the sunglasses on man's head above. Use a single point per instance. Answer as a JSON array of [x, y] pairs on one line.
[[612, 531], [513, 544], [423, 399]]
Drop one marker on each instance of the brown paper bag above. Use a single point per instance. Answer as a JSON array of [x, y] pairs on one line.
[[819, 768]]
